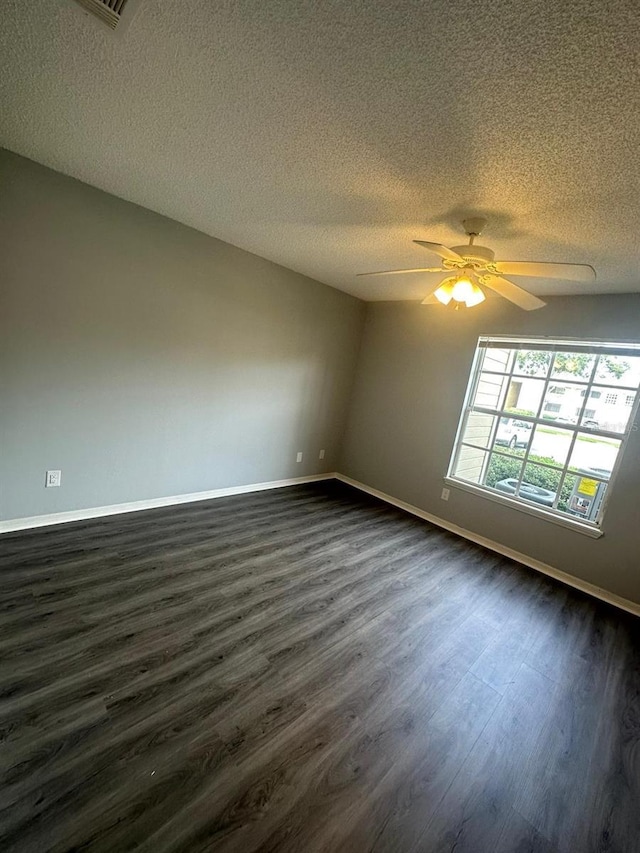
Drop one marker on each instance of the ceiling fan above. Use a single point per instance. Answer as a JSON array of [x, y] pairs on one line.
[[471, 266]]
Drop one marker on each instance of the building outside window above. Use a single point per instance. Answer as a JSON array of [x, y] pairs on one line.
[[519, 443]]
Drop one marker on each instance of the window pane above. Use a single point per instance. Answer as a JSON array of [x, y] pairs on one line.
[[490, 391], [610, 411], [513, 433], [618, 370], [540, 484], [532, 362], [550, 444], [497, 359], [562, 402], [524, 396], [573, 365], [594, 454], [503, 473], [584, 497], [479, 429], [470, 464], [566, 490]]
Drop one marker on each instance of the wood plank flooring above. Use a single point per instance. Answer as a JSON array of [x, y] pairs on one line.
[[307, 669]]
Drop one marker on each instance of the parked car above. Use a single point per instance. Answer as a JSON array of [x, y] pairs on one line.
[[589, 422], [513, 433]]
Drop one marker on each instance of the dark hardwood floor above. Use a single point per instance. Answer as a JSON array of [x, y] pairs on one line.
[[307, 669]]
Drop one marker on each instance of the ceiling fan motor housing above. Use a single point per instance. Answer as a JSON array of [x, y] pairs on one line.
[[480, 255]]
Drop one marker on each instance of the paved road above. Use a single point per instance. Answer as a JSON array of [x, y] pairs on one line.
[[586, 454]]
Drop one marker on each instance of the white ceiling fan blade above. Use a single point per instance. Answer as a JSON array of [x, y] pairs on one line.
[[512, 292], [397, 272], [440, 250], [541, 269]]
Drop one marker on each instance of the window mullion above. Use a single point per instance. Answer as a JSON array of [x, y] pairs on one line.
[[527, 449], [508, 379], [588, 389], [574, 437]]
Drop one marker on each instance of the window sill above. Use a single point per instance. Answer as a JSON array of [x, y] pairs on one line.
[[578, 526]]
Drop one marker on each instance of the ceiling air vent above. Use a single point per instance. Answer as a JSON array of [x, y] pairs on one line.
[[109, 11]]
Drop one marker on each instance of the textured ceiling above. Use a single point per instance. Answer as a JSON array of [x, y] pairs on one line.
[[327, 136]]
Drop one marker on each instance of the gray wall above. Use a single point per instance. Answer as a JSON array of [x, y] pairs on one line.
[[410, 385], [146, 359]]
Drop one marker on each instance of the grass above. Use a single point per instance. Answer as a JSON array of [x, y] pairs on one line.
[[592, 439]]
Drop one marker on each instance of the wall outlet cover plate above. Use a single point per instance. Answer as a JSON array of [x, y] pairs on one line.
[[53, 479]]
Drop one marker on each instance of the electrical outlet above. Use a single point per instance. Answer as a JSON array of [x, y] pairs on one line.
[[299, 457], [445, 494], [53, 479], [321, 454]]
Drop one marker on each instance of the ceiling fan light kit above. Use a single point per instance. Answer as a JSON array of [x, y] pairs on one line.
[[476, 265], [475, 297], [461, 290]]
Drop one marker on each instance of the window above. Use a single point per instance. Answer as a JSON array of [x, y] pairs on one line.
[[612, 399], [514, 443], [629, 399]]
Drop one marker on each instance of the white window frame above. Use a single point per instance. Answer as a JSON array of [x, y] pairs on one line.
[[588, 346]]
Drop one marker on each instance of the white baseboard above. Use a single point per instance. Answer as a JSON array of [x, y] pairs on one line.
[[137, 506], [173, 500], [564, 577]]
